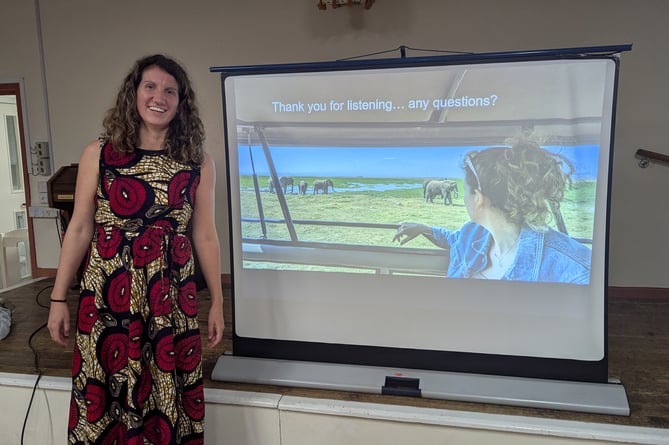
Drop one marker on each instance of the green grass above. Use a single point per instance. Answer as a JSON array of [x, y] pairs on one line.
[[382, 207]]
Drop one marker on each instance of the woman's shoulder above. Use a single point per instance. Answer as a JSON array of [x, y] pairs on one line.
[[92, 150], [567, 245], [207, 159], [207, 166]]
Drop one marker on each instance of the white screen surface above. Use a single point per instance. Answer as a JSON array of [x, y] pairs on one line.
[[322, 266]]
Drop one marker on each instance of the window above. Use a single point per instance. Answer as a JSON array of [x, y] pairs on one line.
[[20, 219], [16, 178]]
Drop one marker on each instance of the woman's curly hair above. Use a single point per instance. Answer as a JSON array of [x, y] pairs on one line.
[[185, 135], [525, 181]]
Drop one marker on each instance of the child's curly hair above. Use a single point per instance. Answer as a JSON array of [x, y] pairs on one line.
[[523, 180], [185, 136]]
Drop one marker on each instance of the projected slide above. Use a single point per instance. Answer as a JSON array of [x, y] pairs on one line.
[[363, 194], [462, 207]]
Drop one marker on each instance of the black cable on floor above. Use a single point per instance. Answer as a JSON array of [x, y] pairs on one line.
[[36, 358], [39, 376]]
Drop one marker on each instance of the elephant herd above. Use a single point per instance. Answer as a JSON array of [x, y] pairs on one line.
[[319, 185], [446, 188]]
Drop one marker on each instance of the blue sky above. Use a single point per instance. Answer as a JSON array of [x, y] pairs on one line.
[[375, 162]]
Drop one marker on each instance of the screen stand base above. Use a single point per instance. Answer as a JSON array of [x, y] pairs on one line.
[[601, 398]]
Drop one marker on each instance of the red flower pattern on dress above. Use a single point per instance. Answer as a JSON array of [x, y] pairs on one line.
[[114, 353], [135, 329], [157, 429], [88, 313], [115, 434], [193, 399], [181, 250], [188, 298], [74, 415], [193, 189], [107, 243], [116, 158], [96, 401], [118, 290], [177, 189], [127, 196], [164, 353], [136, 440], [147, 246], [160, 302], [188, 351], [144, 387]]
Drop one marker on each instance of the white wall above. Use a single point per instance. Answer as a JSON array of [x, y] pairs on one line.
[[249, 418], [89, 46]]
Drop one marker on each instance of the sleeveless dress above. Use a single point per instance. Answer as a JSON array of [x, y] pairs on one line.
[[137, 368]]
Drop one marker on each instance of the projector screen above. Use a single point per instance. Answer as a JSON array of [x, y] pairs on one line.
[[369, 225]]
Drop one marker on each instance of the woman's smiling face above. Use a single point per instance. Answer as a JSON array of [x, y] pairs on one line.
[[157, 98]]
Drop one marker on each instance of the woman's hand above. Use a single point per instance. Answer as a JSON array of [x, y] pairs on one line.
[[216, 325], [410, 230], [59, 323]]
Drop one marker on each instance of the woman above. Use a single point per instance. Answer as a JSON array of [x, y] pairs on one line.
[[509, 193], [137, 372]]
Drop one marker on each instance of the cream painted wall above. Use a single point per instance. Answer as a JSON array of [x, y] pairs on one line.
[[251, 418], [89, 46]]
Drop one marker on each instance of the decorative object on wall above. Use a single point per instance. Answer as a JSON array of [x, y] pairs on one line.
[[646, 156], [334, 4]]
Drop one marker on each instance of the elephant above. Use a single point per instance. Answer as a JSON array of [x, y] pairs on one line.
[[302, 187], [285, 181], [427, 181], [443, 188], [323, 185]]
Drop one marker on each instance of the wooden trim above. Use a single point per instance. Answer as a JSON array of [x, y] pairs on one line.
[[639, 293], [41, 272]]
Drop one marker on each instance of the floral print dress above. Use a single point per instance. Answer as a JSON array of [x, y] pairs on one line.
[[137, 369]]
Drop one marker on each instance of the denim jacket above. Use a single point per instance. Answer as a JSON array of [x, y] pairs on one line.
[[546, 255]]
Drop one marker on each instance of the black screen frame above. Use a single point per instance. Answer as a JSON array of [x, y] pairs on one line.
[[493, 364]]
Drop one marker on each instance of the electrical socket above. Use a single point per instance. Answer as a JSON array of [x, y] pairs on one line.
[[42, 149], [41, 159], [44, 167]]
